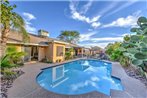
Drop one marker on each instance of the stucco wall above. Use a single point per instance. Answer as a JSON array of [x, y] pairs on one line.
[[49, 52], [55, 57], [18, 47], [80, 51], [42, 53]]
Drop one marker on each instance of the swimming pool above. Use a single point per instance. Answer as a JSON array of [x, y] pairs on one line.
[[79, 77]]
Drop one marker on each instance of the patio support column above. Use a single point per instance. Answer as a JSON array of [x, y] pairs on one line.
[[82, 52]]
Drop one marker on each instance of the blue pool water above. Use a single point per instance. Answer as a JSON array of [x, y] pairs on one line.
[[79, 77]]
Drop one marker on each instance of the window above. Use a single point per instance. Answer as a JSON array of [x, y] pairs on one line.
[[59, 51]]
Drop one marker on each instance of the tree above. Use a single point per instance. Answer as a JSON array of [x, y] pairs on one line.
[[96, 48], [10, 20], [69, 36], [110, 48]]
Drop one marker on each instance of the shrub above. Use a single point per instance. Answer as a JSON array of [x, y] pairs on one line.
[[8, 73], [112, 50], [14, 55], [6, 62], [124, 61], [136, 47], [67, 55], [115, 56]]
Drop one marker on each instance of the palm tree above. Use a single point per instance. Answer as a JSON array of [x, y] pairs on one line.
[[69, 36], [9, 20]]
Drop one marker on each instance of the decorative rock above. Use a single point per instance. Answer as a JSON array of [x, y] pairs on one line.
[[136, 74], [6, 82]]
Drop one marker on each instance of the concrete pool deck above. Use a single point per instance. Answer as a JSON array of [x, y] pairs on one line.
[[26, 86]]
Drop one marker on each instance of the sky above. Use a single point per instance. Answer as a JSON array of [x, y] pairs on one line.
[[98, 22]]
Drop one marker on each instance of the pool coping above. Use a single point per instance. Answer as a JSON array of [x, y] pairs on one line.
[[58, 64]]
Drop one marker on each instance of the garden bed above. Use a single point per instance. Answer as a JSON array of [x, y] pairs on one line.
[[6, 81], [134, 73]]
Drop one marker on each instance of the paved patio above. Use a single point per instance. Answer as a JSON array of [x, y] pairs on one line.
[[26, 86]]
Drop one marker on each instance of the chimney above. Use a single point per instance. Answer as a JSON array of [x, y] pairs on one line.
[[43, 33]]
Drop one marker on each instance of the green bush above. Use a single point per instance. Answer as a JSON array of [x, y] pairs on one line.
[[49, 61], [67, 55], [113, 52], [124, 61], [136, 47], [14, 55], [5, 62], [115, 56], [12, 58], [8, 73]]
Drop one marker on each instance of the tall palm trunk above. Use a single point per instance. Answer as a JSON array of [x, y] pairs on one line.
[[4, 38]]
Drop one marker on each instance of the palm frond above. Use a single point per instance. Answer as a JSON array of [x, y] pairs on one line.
[[19, 25], [18, 19]]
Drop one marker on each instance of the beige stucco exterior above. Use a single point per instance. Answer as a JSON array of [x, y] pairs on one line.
[[41, 48], [55, 57], [51, 52], [18, 47], [80, 51], [42, 53]]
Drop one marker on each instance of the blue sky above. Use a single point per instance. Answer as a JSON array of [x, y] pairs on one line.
[[98, 22]]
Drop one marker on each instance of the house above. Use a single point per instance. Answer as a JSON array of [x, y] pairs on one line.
[[78, 51], [87, 51], [38, 47]]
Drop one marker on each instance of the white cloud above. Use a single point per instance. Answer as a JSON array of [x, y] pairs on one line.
[[78, 16], [108, 8], [108, 39], [101, 42], [125, 34], [90, 30], [128, 21], [88, 45], [95, 24], [31, 29], [129, 3], [98, 41], [28, 17], [86, 37], [86, 7], [94, 19]]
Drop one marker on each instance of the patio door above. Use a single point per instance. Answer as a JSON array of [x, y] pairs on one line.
[[34, 53], [27, 50]]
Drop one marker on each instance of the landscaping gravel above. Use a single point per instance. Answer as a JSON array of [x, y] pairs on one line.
[[6, 82], [132, 72]]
